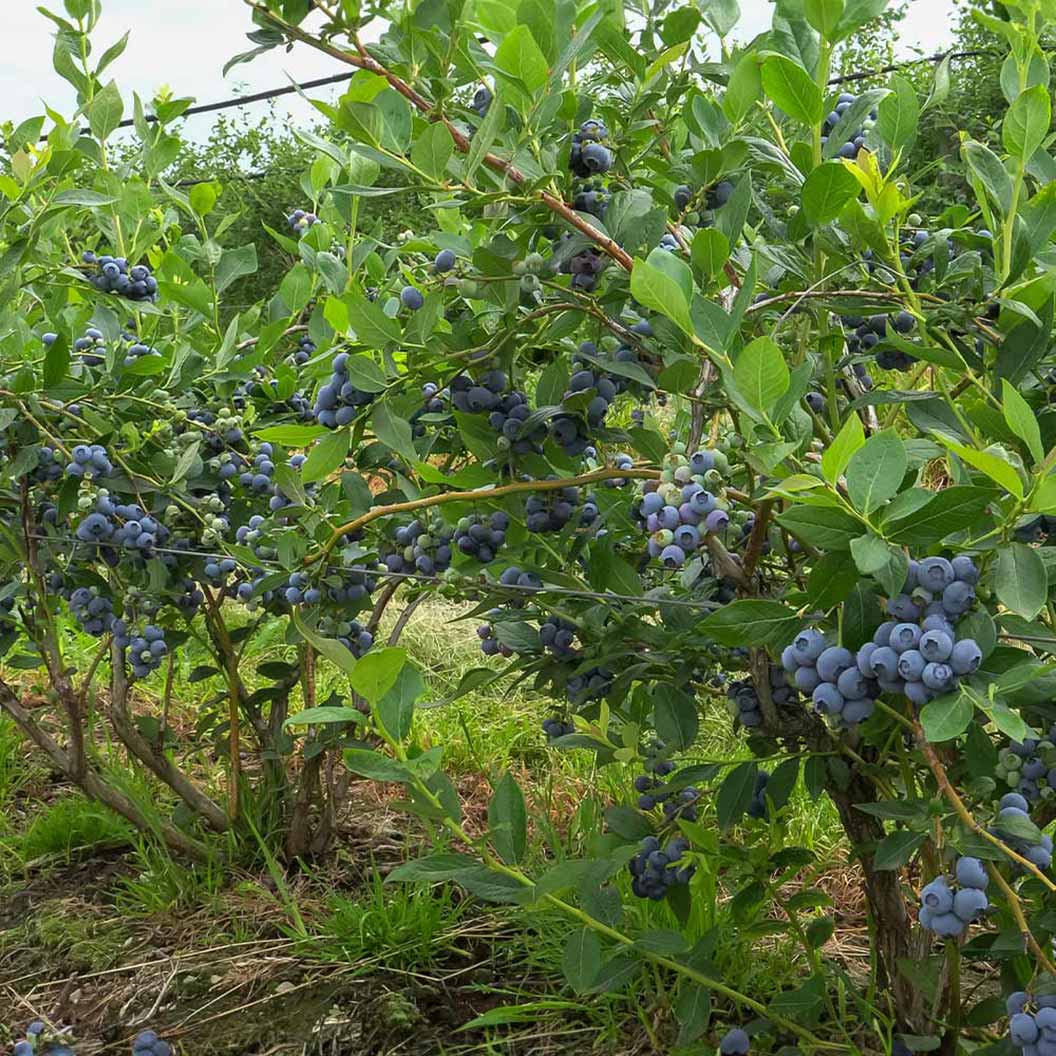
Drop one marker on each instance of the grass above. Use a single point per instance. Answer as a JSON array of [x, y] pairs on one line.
[[72, 823], [506, 962]]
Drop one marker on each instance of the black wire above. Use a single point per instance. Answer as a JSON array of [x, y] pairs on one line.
[[239, 100], [337, 78]]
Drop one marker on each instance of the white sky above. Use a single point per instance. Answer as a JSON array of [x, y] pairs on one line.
[[185, 43]]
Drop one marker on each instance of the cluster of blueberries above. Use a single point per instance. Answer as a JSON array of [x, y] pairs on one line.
[[743, 697], [92, 346], [1029, 766], [679, 511], [90, 461], [568, 429], [489, 641], [507, 411], [49, 465], [695, 210], [93, 611], [589, 156], [1032, 1023], [113, 275], [758, 807], [482, 537], [916, 654], [948, 910], [258, 477], [422, 548], [1011, 808], [339, 401], [865, 333], [1038, 529], [306, 348], [654, 869], [433, 402], [144, 652], [652, 792], [558, 636], [854, 143], [592, 684], [554, 728], [350, 633], [585, 266], [592, 198], [38, 1043], [550, 511], [481, 101], [119, 525], [300, 221]]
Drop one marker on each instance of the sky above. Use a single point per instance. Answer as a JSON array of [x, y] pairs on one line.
[[185, 43]]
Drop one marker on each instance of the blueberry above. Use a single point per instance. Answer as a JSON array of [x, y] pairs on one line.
[[971, 872], [411, 297]]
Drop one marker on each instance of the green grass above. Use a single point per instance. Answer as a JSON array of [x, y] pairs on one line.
[[392, 923], [72, 823]]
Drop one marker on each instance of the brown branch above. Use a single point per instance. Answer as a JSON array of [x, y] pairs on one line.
[[955, 801], [481, 495], [93, 785], [154, 759], [758, 537], [404, 619], [364, 61], [386, 595]]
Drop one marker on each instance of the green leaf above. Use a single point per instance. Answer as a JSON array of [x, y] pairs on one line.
[[951, 510], [947, 717], [56, 361], [875, 471], [376, 766], [521, 58], [396, 707], [847, 441], [432, 868], [393, 430], [234, 264], [995, 468], [105, 111], [821, 526], [827, 190], [369, 323], [1020, 580], [326, 456], [675, 716], [655, 288], [898, 114], [760, 373], [788, 85], [1027, 122], [710, 250], [1020, 419], [485, 135], [986, 167], [735, 793], [508, 820], [324, 716], [752, 621], [432, 150], [365, 374], [291, 435], [375, 674], [824, 16], [692, 1009], [581, 960], [893, 851]]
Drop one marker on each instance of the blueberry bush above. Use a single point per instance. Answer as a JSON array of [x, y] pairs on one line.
[[676, 391]]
